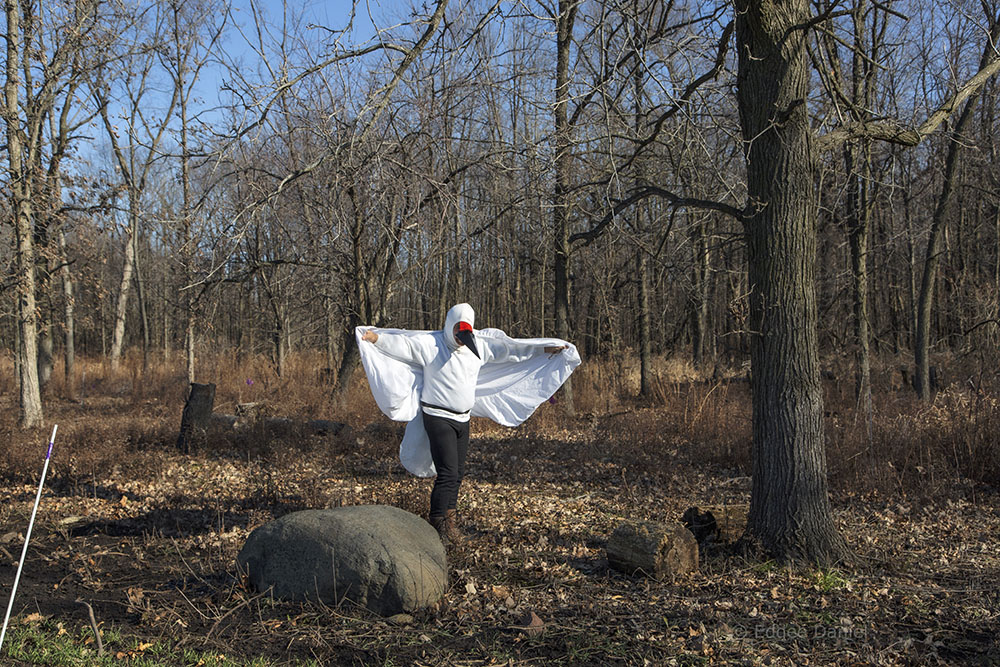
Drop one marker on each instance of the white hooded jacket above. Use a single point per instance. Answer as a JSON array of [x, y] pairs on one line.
[[513, 377]]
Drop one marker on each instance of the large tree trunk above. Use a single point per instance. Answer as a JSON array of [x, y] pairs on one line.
[[24, 251], [790, 515]]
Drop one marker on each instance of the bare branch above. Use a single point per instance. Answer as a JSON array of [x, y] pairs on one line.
[[894, 132], [676, 201]]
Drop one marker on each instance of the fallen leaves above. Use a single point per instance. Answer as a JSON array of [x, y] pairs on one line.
[[532, 583]]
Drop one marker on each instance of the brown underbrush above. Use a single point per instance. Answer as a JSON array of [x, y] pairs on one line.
[[148, 536]]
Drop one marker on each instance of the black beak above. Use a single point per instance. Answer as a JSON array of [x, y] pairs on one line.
[[469, 340]]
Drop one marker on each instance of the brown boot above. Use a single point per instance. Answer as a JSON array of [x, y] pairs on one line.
[[439, 524], [451, 527]]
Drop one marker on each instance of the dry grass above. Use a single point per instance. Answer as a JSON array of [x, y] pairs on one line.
[[542, 497], [909, 447]]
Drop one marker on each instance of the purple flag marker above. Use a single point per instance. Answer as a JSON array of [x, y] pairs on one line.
[[27, 536]]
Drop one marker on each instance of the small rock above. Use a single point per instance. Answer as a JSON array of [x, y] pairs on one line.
[[70, 521], [400, 619], [531, 624]]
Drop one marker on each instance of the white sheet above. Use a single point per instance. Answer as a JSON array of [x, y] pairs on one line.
[[507, 392]]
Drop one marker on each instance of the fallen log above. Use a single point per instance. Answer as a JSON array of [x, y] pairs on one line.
[[653, 549]]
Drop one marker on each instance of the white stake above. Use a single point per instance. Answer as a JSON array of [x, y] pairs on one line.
[[27, 537]]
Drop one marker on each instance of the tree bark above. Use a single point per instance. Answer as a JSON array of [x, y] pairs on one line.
[[642, 258], [653, 549], [46, 342], [790, 514], [196, 415], [700, 275], [140, 295], [642, 271], [21, 214], [125, 286], [859, 224], [561, 198], [69, 323], [858, 164]]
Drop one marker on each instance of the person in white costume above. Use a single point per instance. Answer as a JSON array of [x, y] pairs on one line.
[[436, 380]]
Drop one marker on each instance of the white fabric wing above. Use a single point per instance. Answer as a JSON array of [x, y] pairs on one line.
[[508, 392], [395, 384]]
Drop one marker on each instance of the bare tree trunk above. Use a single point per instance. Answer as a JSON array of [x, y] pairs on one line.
[[331, 335], [21, 214], [17, 349], [140, 295], [642, 275], [43, 221], [187, 241], [280, 346], [166, 317], [46, 343], [125, 286], [925, 300], [561, 199], [30, 389], [858, 163], [642, 258], [790, 515], [69, 323], [859, 223], [352, 356], [942, 211], [700, 273]]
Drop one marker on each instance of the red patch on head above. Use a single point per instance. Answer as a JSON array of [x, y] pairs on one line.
[[464, 326]]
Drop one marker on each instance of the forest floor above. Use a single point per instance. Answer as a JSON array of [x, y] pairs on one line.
[[148, 537]]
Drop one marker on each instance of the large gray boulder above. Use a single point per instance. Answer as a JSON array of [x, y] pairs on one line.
[[380, 557]]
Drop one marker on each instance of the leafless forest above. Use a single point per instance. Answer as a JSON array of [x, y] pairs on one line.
[[772, 230]]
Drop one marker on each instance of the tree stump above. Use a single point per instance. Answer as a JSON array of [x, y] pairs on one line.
[[197, 414], [718, 523], [654, 549]]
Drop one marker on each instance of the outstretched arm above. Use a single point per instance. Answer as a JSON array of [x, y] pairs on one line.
[[508, 350], [400, 347]]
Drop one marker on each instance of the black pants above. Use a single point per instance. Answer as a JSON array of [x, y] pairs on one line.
[[449, 445]]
